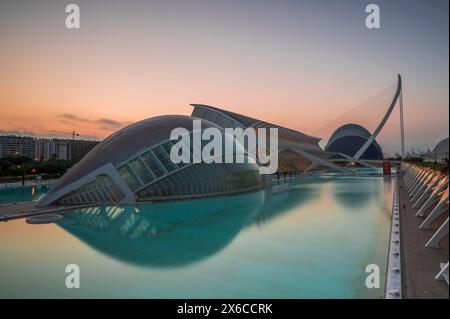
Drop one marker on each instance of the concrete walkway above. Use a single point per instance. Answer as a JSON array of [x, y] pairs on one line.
[[420, 265]]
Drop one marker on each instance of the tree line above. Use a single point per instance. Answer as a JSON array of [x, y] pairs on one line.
[[22, 166]]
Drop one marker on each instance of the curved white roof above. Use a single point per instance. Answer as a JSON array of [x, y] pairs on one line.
[[349, 130], [442, 146], [247, 121], [125, 143]]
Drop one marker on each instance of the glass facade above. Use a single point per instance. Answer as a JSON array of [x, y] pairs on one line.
[[152, 175], [129, 177], [203, 180], [98, 191]]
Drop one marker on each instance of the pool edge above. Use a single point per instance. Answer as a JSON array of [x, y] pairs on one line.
[[393, 287]]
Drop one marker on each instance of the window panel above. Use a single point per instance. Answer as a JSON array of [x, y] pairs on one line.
[[200, 179], [140, 171], [152, 164], [164, 159], [128, 177]]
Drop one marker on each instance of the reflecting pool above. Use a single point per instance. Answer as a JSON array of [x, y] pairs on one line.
[[314, 241], [22, 194]]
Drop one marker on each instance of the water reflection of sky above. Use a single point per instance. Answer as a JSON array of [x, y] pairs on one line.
[[311, 242]]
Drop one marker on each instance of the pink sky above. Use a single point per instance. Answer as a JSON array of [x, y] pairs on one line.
[[115, 71]]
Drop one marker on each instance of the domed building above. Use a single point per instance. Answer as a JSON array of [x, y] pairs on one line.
[[348, 139], [133, 165], [441, 150], [439, 153]]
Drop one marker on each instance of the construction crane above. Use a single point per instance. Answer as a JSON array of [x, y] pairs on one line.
[[73, 133]]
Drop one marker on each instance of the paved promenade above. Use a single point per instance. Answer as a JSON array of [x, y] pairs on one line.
[[420, 264]]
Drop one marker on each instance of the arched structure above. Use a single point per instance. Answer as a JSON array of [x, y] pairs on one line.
[[398, 93]]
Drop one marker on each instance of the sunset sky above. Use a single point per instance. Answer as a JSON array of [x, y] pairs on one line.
[[296, 63]]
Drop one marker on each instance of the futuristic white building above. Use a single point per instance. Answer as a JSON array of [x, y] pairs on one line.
[[134, 165]]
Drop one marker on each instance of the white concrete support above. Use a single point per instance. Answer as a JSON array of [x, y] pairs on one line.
[[440, 208], [419, 184], [434, 197], [427, 191], [414, 173], [108, 169], [443, 274], [415, 180], [321, 161], [438, 236], [422, 188], [352, 159], [422, 172], [409, 175], [402, 125]]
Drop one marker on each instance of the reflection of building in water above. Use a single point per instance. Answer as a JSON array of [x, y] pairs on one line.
[[181, 232], [358, 192], [174, 234], [354, 192], [301, 191], [164, 234]]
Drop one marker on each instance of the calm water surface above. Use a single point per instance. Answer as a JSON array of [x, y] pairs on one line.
[[22, 194], [313, 242]]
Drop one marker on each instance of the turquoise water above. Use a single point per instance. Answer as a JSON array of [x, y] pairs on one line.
[[312, 242], [22, 194]]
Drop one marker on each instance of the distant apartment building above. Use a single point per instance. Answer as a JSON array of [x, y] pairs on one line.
[[12, 145], [44, 148], [79, 148]]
